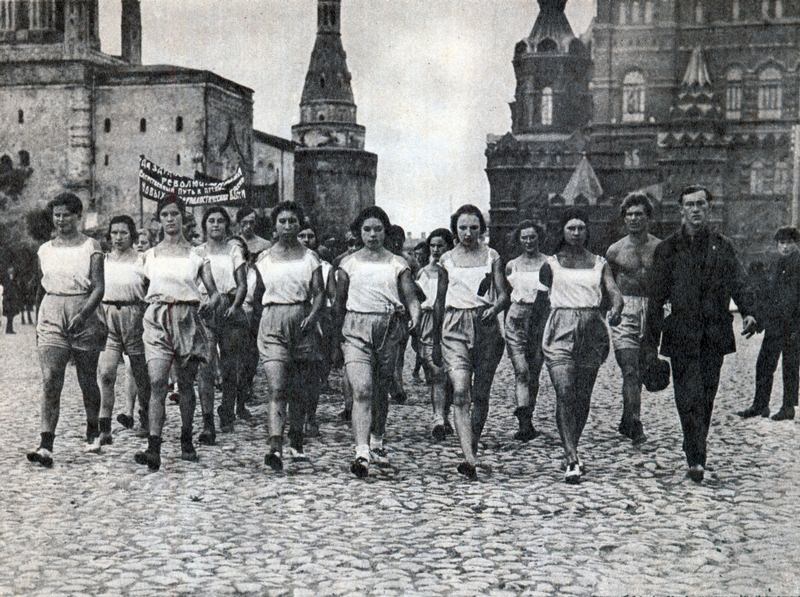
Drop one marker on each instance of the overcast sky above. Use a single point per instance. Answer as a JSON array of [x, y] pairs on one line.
[[431, 78]]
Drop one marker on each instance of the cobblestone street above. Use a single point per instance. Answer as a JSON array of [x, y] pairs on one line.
[[228, 525]]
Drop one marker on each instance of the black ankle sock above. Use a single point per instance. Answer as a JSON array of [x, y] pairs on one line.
[[105, 424], [275, 443], [92, 430], [208, 421], [153, 444], [47, 440], [186, 434]]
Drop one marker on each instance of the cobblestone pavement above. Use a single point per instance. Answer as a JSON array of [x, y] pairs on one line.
[[226, 525]]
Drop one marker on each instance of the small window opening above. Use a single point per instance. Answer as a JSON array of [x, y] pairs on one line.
[[179, 124], [107, 125], [143, 125], [21, 117]]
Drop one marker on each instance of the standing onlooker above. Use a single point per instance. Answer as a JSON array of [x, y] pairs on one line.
[[575, 341], [778, 316], [12, 296], [630, 259], [696, 270]]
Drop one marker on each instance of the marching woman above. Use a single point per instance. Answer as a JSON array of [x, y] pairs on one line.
[[308, 238], [69, 323], [131, 389], [374, 291], [225, 325], [288, 341], [173, 332], [575, 341], [525, 323], [430, 329], [123, 308], [472, 345]]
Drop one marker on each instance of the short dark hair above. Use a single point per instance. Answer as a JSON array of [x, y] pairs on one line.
[[636, 198], [373, 211], [288, 206], [572, 213], [68, 200], [694, 188], [216, 209], [524, 224], [243, 212], [423, 246], [442, 233], [128, 221], [787, 233], [466, 209], [168, 199]]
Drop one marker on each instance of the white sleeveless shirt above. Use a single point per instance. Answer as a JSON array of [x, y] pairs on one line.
[[67, 270], [576, 288], [286, 282], [373, 285], [125, 280], [428, 281], [223, 267], [173, 278], [525, 285], [464, 282]]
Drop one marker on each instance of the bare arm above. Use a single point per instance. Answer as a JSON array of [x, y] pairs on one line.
[[317, 302], [610, 286], [340, 302], [501, 287], [211, 287], [240, 275], [408, 293], [97, 277]]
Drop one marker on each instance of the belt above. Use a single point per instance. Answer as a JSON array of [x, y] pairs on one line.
[[189, 303], [120, 304], [65, 294]]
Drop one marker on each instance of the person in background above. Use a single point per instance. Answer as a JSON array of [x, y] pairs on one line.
[[395, 239], [630, 259], [697, 272], [12, 297], [422, 257], [69, 324], [778, 315]]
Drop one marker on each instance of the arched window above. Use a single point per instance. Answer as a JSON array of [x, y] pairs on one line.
[[143, 125], [648, 11], [322, 82], [178, 124], [6, 164], [699, 15], [778, 9], [623, 13], [770, 96], [320, 116], [633, 97], [547, 45], [757, 178], [107, 125], [783, 179], [20, 117], [105, 160], [765, 9], [735, 10], [547, 106], [635, 12], [733, 94], [24, 159], [178, 159]]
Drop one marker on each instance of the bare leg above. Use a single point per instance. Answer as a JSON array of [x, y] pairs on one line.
[[462, 389], [86, 368], [53, 362], [107, 376]]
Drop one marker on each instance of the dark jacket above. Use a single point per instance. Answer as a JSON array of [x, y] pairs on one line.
[[778, 300], [697, 277]]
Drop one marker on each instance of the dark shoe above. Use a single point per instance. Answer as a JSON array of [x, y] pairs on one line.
[[438, 433], [637, 433], [207, 437], [400, 398], [696, 473], [188, 452], [312, 429], [125, 421], [360, 467], [754, 411], [243, 413], [106, 439], [468, 470], [786, 413], [448, 428], [174, 397], [152, 456], [41, 456], [274, 461], [573, 473], [624, 428], [225, 422], [526, 431]]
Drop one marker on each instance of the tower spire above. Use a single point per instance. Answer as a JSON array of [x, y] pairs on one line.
[[328, 13]]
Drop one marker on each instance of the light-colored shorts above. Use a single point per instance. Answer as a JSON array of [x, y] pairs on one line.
[[629, 332], [468, 344], [523, 332], [125, 327], [575, 337], [372, 339], [56, 312], [425, 343], [174, 331], [280, 338]]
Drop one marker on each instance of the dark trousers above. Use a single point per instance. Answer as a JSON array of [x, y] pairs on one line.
[[777, 342], [695, 380]]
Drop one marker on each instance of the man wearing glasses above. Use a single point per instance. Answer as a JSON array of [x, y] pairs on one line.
[[697, 272], [630, 259]]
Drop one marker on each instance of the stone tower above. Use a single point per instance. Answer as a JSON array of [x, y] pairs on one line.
[[334, 176], [131, 32]]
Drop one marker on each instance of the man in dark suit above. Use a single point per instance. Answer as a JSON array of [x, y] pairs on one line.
[[778, 312], [695, 273]]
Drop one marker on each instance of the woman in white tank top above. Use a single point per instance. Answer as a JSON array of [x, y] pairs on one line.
[[373, 286], [576, 339], [472, 345], [173, 332], [68, 323], [225, 326], [525, 323], [123, 308], [291, 291], [432, 280]]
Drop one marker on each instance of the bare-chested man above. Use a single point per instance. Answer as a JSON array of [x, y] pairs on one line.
[[630, 259]]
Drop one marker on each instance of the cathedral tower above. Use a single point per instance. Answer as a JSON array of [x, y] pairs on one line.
[[334, 176], [131, 32]]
